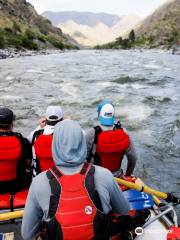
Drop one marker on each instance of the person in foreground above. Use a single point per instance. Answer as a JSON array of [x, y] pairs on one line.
[[73, 199], [107, 143], [41, 140], [15, 155]]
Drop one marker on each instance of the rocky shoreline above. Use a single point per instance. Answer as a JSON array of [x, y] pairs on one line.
[[14, 53]]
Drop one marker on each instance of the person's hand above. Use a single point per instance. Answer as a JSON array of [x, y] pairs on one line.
[[42, 122]]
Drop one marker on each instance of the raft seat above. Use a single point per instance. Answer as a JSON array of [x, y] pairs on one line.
[[18, 200]]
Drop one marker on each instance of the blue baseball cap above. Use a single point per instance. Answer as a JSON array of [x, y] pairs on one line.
[[106, 115], [105, 101]]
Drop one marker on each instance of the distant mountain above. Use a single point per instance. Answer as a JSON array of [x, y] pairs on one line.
[[163, 26], [92, 28], [22, 27], [88, 36], [82, 18]]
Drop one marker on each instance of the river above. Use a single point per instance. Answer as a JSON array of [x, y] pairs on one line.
[[143, 85]]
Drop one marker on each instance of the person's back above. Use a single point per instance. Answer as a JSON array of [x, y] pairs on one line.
[[15, 155], [65, 196], [108, 143], [41, 140]]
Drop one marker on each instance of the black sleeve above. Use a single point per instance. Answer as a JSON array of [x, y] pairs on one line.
[[26, 149], [24, 174]]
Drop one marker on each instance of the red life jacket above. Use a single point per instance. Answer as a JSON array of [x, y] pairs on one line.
[[43, 151], [75, 207], [110, 148], [10, 155]]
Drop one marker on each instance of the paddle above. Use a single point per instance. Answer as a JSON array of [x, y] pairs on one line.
[[138, 200], [11, 215], [170, 198]]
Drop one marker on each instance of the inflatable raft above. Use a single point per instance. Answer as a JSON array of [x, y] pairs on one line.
[[161, 225]]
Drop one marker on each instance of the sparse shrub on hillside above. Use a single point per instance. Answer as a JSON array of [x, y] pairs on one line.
[[2, 40], [16, 28], [132, 36], [55, 42]]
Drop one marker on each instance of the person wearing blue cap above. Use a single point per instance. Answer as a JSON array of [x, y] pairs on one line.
[[108, 143]]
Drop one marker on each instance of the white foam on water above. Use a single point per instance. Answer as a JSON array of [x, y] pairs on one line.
[[138, 86], [71, 90], [152, 66], [11, 98], [9, 78], [34, 71], [104, 84], [135, 113]]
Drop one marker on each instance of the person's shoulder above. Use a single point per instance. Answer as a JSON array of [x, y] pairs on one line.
[[40, 182], [102, 169], [40, 177], [19, 135], [89, 130], [103, 173]]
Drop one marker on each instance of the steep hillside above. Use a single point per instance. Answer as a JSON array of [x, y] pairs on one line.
[[163, 26], [22, 27], [90, 29], [126, 24]]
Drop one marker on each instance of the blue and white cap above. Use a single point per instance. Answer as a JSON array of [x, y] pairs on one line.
[[106, 115]]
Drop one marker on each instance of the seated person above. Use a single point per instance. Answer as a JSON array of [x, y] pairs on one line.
[[15, 155], [108, 143], [41, 140], [74, 198]]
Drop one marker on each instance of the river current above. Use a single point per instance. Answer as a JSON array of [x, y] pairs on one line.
[[143, 85]]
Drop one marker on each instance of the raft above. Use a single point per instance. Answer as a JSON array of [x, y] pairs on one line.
[[161, 225]]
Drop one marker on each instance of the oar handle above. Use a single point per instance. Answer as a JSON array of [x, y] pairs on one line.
[[166, 196], [11, 215]]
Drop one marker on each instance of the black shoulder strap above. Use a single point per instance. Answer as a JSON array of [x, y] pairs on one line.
[[84, 168], [117, 126], [91, 157], [98, 130], [10, 134], [36, 135], [55, 193], [56, 171], [90, 186]]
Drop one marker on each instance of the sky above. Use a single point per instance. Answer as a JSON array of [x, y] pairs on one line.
[[119, 7]]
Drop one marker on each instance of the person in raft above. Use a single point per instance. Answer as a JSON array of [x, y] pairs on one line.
[[41, 139], [74, 198], [15, 155], [108, 142]]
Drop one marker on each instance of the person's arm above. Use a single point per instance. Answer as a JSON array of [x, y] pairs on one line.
[[131, 158], [89, 134], [26, 153], [30, 137], [119, 203], [109, 192], [32, 216]]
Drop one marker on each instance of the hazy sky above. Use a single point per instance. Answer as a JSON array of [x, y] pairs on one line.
[[120, 7]]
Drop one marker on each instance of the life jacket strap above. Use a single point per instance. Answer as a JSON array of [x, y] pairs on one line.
[[36, 135]]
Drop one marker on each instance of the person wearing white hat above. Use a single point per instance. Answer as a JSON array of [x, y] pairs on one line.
[[41, 139], [107, 143]]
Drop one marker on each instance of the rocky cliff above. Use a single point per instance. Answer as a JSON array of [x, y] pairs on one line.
[[22, 27]]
